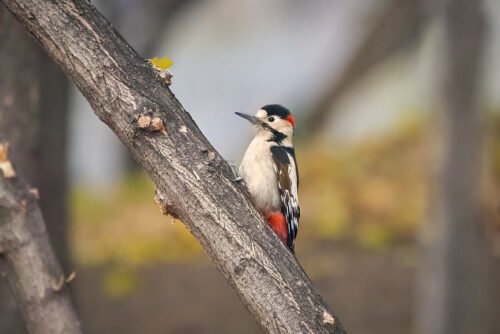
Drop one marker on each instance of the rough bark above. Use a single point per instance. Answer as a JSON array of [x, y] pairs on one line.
[[455, 289], [27, 259], [193, 182], [33, 117]]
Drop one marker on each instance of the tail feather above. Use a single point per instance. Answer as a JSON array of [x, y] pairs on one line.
[[277, 220]]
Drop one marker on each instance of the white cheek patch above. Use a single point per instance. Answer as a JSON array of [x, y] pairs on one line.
[[261, 113], [283, 126]]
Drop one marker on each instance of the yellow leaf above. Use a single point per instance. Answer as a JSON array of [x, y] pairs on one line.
[[161, 63]]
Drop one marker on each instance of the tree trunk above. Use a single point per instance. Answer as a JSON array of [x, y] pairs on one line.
[[192, 180], [33, 98], [27, 259], [454, 287]]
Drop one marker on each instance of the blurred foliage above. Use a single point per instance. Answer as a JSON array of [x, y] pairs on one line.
[[372, 192], [124, 229], [127, 228], [120, 281]]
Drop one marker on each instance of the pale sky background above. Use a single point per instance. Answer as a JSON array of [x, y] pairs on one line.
[[239, 55]]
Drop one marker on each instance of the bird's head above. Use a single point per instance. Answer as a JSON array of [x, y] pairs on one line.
[[273, 120]]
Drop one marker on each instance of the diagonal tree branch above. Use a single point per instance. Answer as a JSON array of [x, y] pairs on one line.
[[27, 259], [193, 182]]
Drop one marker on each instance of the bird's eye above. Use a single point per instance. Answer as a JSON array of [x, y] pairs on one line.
[[270, 119]]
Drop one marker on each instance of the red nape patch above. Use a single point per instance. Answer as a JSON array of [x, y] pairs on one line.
[[291, 120], [278, 223]]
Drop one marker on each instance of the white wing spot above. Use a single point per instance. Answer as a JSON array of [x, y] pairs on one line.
[[328, 318]]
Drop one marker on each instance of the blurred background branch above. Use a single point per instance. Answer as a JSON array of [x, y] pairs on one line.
[[27, 260], [34, 116], [456, 290], [392, 30]]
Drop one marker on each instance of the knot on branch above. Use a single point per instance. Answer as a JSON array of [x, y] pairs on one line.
[[166, 206], [62, 281], [149, 120], [151, 124]]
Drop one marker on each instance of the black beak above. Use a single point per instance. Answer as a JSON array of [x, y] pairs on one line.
[[251, 119]]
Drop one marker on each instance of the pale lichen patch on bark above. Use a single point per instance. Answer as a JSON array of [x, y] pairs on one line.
[[328, 318], [35, 193], [211, 156], [159, 199], [5, 164], [144, 121]]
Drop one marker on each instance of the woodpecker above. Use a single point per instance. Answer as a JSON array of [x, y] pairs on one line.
[[269, 169]]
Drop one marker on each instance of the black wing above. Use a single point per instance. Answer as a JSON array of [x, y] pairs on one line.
[[285, 167]]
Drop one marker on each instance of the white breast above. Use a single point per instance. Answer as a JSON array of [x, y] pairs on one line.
[[258, 172]]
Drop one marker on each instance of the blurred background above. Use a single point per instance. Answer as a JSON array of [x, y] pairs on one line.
[[397, 106]]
